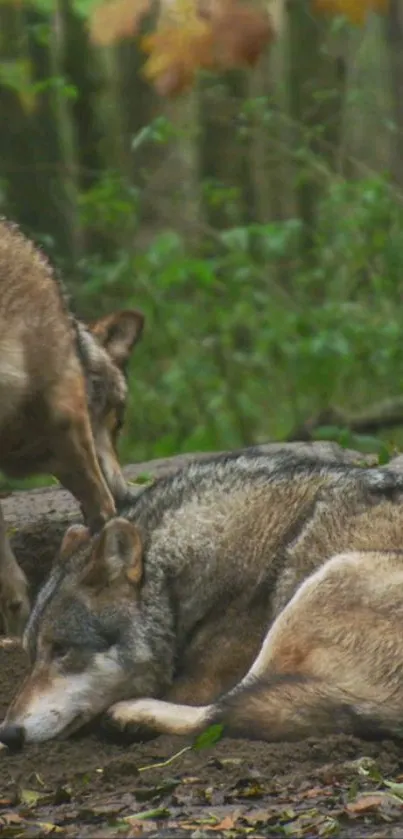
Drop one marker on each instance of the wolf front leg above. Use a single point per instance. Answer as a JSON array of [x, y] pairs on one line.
[[77, 466], [14, 599], [159, 717]]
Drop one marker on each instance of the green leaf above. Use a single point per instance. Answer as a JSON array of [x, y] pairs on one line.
[[395, 787], [143, 478], [208, 737], [157, 813]]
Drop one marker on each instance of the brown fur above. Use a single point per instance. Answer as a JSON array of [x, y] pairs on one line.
[[62, 389]]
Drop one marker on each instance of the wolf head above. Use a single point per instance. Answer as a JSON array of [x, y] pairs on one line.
[[104, 348], [86, 637]]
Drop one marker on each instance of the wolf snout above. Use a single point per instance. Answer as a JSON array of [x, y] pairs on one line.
[[12, 736]]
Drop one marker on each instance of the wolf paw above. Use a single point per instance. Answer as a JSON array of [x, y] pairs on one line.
[[122, 714], [126, 719]]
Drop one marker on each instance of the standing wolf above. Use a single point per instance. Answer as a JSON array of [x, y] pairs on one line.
[[62, 397], [262, 592]]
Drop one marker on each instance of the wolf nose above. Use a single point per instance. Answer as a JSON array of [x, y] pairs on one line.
[[12, 736]]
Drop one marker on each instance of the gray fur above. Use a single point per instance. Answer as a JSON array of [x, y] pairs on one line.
[[226, 544]]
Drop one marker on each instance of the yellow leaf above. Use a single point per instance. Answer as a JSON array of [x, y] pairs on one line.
[[49, 827], [116, 19], [214, 35], [175, 53], [30, 797]]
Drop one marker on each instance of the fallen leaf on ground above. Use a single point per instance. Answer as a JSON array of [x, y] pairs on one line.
[[258, 817], [397, 788], [227, 823], [365, 803], [30, 797], [49, 827], [248, 790], [315, 792], [10, 818], [158, 813]]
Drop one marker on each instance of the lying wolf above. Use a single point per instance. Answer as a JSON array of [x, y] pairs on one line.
[[62, 397], [264, 593]]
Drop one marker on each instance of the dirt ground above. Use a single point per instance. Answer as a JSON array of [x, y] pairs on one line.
[[89, 787]]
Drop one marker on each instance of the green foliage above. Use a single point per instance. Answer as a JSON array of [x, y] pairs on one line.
[[365, 443], [243, 340], [111, 204], [247, 335]]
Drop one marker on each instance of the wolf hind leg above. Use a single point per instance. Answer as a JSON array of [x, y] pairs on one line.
[[281, 708], [14, 599], [332, 662]]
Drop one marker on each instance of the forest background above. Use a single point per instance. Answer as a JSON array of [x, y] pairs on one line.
[[254, 212]]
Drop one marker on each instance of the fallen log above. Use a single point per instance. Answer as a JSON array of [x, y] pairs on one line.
[[37, 519], [380, 417]]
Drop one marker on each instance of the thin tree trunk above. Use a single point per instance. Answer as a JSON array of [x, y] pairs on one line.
[[66, 133], [316, 85], [224, 154], [394, 36]]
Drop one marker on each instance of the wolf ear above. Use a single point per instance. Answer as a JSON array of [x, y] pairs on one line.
[[118, 554], [74, 536], [118, 333]]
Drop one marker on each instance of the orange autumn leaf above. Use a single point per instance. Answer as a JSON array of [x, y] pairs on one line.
[[240, 34], [214, 35], [354, 10], [227, 823], [175, 54], [116, 19], [365, 804], [189, 35]]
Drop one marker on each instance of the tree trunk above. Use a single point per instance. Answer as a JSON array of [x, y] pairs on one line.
[[225, 169], [394, 36], [316, 85], [66, 135]]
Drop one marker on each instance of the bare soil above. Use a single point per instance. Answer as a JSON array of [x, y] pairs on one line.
[[89, 787]]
